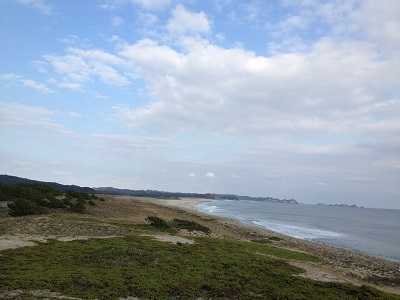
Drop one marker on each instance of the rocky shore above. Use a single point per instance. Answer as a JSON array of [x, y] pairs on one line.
[[113, 217]]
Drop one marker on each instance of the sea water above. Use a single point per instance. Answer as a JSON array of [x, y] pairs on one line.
[[371, 231]]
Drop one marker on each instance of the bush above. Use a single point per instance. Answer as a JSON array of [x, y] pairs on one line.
[[53, 203], [191, 226], [78, 206], [23, 207], [157, 222]]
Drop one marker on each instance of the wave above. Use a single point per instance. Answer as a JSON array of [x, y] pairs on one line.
[[290, 230], [375, 234], [298, 232], [209, 209]]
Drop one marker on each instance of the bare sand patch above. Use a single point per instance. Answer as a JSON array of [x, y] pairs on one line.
[[173, 239]]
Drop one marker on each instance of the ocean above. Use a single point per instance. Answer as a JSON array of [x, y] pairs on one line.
[[371, 231]]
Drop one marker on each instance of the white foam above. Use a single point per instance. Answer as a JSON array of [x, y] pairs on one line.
[[209, 209], [297, 231]]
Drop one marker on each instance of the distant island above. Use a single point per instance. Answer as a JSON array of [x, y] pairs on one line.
[[11, 180], [340, 205]]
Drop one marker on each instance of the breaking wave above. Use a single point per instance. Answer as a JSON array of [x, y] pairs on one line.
[[297, 231]]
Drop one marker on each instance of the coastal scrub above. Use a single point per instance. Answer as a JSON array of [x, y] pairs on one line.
[[149, 269]]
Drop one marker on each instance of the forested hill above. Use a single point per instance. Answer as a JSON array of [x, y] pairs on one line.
[[11, 180]]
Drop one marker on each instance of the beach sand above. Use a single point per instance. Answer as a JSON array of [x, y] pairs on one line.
[[338, 265]]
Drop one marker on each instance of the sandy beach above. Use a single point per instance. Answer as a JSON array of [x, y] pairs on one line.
[[338, 264]]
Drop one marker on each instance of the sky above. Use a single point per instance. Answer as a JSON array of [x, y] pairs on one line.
[[288, 99]]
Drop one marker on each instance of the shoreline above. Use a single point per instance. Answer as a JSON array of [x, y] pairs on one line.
[[357, 267], [191, 203]]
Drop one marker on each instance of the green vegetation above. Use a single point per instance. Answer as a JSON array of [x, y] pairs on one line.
[[145, 268], [176, 224], [157, 222], [190, 225], [23, 207], [32, 199]]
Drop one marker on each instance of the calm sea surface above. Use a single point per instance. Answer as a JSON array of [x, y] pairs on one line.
[[371, 231]]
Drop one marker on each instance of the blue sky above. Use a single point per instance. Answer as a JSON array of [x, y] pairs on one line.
[[290, 99]]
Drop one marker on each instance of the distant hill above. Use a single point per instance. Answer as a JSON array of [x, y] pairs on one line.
[[151, 193], [155, 193], [11, 180]]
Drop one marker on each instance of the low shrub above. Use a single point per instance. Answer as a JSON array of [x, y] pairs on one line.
[[190, 225], [78, 206], [157, 222]]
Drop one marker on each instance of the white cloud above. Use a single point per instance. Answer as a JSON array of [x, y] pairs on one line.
[[74, 114], [192, 175], [81, 65], [117, 21], [144, 4], [18, 80], [209, 174], [148, 19], [40, 5], [251, 10], [380, 22], [184, 21], [24, 164], [30, 118], [208, 88], [37, 86], [153, 4], [375, 21], [70, 85], [127, 143]]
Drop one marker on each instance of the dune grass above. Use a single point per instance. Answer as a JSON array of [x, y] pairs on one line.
[[143, 267]]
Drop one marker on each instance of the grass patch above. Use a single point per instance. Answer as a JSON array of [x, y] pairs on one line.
[[145, 268]]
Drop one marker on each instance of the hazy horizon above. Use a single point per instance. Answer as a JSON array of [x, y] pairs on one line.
[[288, 99]]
